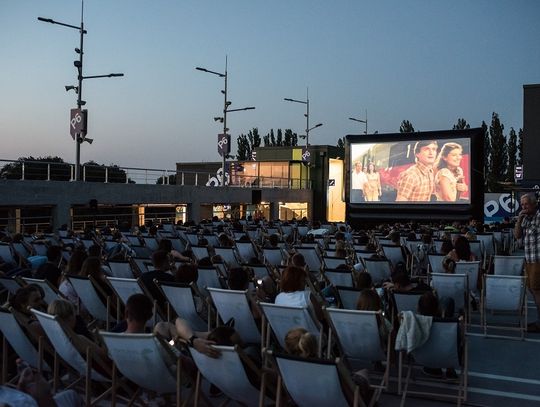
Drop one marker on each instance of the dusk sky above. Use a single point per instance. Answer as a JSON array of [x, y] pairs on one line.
[[427, 61]]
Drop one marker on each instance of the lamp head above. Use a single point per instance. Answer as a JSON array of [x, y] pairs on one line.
[[218, 119]]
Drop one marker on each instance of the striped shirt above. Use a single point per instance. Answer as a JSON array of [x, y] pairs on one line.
[[530, 226], [415, 184]]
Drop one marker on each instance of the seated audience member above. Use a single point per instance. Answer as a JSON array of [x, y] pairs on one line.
[[161, 272], [166, 245], [369, 300], [50, 270], [186, 274], [73, 268], [364, 280], [299, 342], [462, 250], [446, 247], [20, 304]]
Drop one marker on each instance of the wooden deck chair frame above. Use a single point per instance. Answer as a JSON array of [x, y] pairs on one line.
[[235, 304], [13, 334], [343, 324], [279, 319], [60, 337], [123, 348], [228, 373], [443, 351], [335, 374], [494, 299]]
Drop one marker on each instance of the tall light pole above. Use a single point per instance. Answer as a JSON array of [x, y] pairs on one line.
[[80, 136], [305, 102], [223, 119], [360, 121]]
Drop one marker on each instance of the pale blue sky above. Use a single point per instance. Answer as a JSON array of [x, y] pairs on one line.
[[428, 61]]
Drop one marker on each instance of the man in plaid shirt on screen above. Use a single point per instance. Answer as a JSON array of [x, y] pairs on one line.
[[417, 182]]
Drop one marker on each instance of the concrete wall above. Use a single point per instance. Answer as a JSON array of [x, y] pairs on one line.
[[62, 195]]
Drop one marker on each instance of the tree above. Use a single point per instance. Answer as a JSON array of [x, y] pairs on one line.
[[520, 148], [461, 125], [279, 138], [171, 180], [94, 172], [406, 127], [499, 156], [291, 139], [40, 168], [247, 143], [512, 154]]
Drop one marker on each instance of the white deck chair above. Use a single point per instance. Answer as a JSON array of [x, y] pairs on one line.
[[507, 294], [333, 262], [348, 297], [17, 338], [63, 346], [11, 284], [441, 350], [140, 264], [406, 301], [192, 238], [322, 387], [282, 319], [125, 288], [151, 243], [343, 278], [488, 244], [478, 250], [228, 255], [364, 254], [379, 269], [6, 253], [227, 373], [361, 350], [508, 265], [302, 230], [200, 252], [438, 244], [235, 304], [51, 293], [273, 256], [246, 251], [21, 250], [89, 297], [394, 254], [208, 278], [471, 268], [40, 248], [178, 244], [141, 359], [312, 258], [180, 298], [435, 262], [259, 271], [121, 269], [453, 286]]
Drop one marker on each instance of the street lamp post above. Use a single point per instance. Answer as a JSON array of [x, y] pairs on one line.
[[305, 102], [360, 121], [80, 137], [226, 110]]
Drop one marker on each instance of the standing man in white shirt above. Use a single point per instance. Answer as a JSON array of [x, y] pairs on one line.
[[358, 180]]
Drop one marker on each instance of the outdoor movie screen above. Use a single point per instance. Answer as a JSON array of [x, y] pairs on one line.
[[411, 171]]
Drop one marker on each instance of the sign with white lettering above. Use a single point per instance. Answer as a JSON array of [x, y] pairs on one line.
[[224, 144], [77, 123]]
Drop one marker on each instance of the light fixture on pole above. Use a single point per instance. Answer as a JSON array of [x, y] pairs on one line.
[[360, 121], [225, 140], [78, 119], [305, 102]]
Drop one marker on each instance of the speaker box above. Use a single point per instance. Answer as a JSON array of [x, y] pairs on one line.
[[256, 195]]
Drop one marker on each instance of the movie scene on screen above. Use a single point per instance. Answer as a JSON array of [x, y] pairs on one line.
[[411, 171]]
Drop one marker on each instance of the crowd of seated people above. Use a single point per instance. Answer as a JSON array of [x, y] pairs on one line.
[[292, 284]]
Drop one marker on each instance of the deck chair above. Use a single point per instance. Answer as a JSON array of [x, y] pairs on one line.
[[6, 254], [180, 298], [333, 262], [88, 294], [212, 239], [471, 268], [506, 294], [228, 255], [379, 269], [348, 297], [273, 256], [453, 286], [60, 338], [229, 374], [24, 348], [438, 244], [283, 318], [151, 243], [235, 304], [21, 250], [140, 265], [364, 254], [435, 262], [121, 269], [246, 251], [208, 277], [478, 250], [322, 387], [178, 244], [142, 358], [312, 257], [339, 277], [200, 252], [11, 284], [133, 240], [51, 293], [488, 244], [259, 271], [508, 265], [406, 301], [394, 254], [442, 349], [360, 350], [302, 230]]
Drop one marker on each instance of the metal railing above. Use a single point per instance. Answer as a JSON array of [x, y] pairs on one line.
[[27, 224], [54, 171]]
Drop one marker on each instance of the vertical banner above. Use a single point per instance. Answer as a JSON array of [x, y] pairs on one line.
[[223, 144]]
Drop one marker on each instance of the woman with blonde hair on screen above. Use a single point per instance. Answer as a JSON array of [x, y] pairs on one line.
[[372, 188], [449, 180]]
